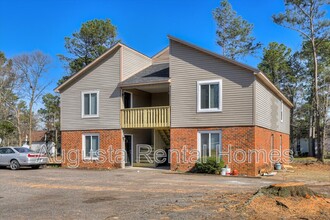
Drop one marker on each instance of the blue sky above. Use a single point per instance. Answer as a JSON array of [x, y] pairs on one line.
[[143, 25]]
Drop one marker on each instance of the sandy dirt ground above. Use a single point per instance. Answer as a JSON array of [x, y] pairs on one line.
[[156, 194]]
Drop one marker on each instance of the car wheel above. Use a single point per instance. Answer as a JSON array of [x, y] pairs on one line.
[[35, 167], [14, 165]]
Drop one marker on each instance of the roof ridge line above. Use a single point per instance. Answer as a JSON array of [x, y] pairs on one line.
[[161, 51]]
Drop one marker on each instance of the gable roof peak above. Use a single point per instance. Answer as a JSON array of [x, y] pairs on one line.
[[260, 75], [111, 49], [214, 54]]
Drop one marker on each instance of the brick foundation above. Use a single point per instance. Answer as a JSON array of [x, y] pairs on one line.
[[183, 138], [72, 148], [184, 148], [240, 139], [236, 142], [263, 141]]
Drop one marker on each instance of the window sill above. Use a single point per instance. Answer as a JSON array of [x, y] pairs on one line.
[[92, 116], [91, 159], [208, 110]]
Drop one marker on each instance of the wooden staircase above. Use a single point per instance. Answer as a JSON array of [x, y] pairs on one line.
[[144, 162], [165, 135], [143, 158]]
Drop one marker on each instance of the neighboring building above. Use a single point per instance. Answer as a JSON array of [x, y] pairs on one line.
[[302, 147], [327, 147], [327, 141], [183, 97], [40, 140]]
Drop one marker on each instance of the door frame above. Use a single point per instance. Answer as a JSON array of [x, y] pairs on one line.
[[132, 153], [131, 99]]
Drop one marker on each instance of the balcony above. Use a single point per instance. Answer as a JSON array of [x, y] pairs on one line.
[[148, 117]]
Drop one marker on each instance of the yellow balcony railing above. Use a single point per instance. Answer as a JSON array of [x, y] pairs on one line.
[[150, 117]]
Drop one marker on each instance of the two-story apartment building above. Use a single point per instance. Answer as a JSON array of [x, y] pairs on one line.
[[186, 100]]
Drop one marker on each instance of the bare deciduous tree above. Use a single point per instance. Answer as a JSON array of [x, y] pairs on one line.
[[32, 68]]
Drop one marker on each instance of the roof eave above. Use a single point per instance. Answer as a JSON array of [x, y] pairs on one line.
[[274, 89], [57, 89], [255, 71], [214, 54], [160, 52], [145, 84]]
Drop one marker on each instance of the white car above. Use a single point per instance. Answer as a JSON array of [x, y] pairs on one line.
[[15, 157]]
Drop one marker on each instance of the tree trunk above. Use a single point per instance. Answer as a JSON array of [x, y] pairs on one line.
[[317, 104], [325, 124], [292, 137], [19, 128], [19, 136], [18, 124], [311, 133], [324, 141], [30, 122], [288, 189]]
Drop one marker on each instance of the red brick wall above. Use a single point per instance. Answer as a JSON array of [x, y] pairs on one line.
[[241, 140], [72, 147], [238, 137], [263, 141], [183, 138]]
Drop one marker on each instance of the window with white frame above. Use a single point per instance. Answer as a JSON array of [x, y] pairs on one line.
[[282, 111], [209, 96], [91, 146], [90, 104], [209, 144]]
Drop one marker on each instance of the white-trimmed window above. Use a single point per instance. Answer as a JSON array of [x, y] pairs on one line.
[[209, 144], [209, 96], [90, 104], [282, 111], [91, 146]]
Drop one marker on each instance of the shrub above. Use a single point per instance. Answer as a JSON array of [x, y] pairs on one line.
[[210, 165]]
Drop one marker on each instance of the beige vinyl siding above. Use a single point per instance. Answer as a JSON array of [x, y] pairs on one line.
[[163, 57], [140, 136], [133, 62], [145, 99], [160, 99], [187, 66], [268, 110], [158, 141], [141, 99], [104, 78]]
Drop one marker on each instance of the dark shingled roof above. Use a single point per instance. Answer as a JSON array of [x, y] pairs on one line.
[[153, 73]]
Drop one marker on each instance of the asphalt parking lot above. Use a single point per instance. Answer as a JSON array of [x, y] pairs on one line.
[[54, 193]]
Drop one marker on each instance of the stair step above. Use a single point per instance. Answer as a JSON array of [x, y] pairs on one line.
[[151, 165], [146, 161], [165, 135], [146, 150], [144, 158]]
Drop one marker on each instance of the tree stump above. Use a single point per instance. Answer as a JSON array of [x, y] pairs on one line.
[[288, 189]]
